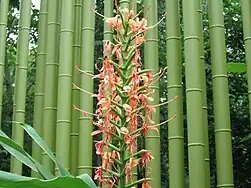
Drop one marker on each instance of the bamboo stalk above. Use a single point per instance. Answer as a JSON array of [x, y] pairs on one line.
[[76, 80], [246, 15], [192, 47], [151, 61], [39, 87], [223, 143], [64, 105], [22, 61], [124, 3], [51, 80], [86, 82], [4, 7], [204, 100], [174, 88]]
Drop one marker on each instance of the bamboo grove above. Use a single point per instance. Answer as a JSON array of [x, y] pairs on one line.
[[66, 59]]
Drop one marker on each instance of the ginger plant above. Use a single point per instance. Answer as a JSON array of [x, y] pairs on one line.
[[124, 97]]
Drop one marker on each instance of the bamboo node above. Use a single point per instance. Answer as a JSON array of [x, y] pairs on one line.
[[85, 118], [176, 138], [225, 185], [247, 38], [77, 45], [193, 89], [74, 134], [51, 63], [20, 111], [87, 28], [174, 86], [53, 23], [3, 24], [23, 67], [207, 160], [50, 108], [153, 137], [63, 121], [219, 76], [39, 94], [205, 107], [191, 37], [66, 31], [84, 167], [24, 28], [152, 40], [216, 25], [108, 33], [65, 75], [222, 130], [173, 37], [195, 144], [78, 5], [43, 13]]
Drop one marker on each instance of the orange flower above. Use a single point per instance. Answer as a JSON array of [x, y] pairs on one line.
[[128, 167], [146, 184], [146, 157]]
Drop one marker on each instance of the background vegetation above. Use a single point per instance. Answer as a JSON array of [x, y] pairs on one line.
[[237, 87]]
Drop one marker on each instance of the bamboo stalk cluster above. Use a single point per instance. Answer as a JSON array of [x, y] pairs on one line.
[[67, 40]]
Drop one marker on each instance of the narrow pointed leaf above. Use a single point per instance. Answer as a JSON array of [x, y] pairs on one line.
[[8, 180], [87, 179], [33, 134], [17, 151]]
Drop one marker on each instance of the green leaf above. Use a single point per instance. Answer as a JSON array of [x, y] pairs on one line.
[[246, 138], [87, 179], [33, 134], [8, 180], [236, 67], [19, 153], [16, 151]]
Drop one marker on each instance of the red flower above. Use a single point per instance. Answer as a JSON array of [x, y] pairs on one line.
[[98, 174], [146, 157]]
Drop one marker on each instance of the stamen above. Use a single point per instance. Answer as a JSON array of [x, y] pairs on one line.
[[85, 112], [78, 69], [165, 102], [92, 94]]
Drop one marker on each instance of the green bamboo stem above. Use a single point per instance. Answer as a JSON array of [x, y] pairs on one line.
[[151, 61], [39, 87], [86, 82], [124, 3], [246, 15], [223, 143], [51, 80], [76, 80], [192, 47], [4, 7], [15, 93], [64, 105], [174, 88], [204, 100], [22, 59]]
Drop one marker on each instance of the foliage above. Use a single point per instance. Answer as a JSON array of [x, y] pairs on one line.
[[65, 179], [237, 88]]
